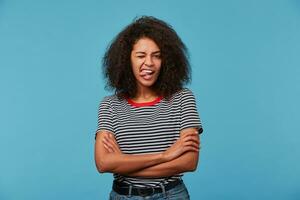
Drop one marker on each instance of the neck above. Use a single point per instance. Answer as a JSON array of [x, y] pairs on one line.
[[145, 93]]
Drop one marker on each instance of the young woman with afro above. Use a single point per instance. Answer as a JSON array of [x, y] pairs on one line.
[[148, 130]]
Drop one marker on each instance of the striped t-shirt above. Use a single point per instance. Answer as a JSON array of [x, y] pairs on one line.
[[152, 127]]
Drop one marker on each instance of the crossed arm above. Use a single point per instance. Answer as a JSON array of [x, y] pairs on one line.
[[181, 157]]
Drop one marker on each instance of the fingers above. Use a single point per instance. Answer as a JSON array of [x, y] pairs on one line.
[[192, 144], [114, 143], [190, 133], [112, 139], [194, 133], [110, 144], [109, 149], [191, 137], [191, 141], [190, 148], [107, 145]]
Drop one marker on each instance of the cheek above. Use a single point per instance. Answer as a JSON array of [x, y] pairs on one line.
[[158, 64], [134, 66], [136, 62]]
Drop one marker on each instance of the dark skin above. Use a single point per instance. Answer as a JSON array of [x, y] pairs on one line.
[[181, 157]]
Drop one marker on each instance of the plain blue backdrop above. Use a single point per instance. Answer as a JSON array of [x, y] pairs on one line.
[[245, 58]]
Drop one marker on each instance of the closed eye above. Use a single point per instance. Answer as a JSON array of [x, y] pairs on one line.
[[156, 56]]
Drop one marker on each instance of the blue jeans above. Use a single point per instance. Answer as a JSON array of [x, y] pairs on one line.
[[179, 192]]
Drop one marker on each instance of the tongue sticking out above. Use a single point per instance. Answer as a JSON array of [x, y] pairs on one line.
[[147, 74]]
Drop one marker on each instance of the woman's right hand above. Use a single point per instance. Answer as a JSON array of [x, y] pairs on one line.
[[187, 142]]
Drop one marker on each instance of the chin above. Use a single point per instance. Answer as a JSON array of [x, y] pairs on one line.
[[147, 83]]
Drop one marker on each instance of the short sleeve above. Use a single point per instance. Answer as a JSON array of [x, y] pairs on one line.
[[105, 116], [189, 114]]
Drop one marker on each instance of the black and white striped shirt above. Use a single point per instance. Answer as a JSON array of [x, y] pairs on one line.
[[151, 127]]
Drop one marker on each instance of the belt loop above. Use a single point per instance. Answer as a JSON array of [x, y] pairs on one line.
[[163, 188], [130, 189]]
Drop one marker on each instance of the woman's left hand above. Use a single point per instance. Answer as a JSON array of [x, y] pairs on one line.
[[111, 144]]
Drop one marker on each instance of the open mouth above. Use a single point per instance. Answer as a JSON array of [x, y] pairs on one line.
[[147, 74], [147, 71]]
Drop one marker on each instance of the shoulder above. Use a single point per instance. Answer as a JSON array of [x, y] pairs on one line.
[[184, 95], [106, 102], [184, 92], [109, 99], [110, 102], [187, 91]]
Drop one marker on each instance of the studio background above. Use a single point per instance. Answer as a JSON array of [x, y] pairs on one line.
[[245, 76]]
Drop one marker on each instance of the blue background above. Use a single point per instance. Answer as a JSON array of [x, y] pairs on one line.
[[245, 66]]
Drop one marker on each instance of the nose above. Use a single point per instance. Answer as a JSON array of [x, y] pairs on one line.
[[148, 61]]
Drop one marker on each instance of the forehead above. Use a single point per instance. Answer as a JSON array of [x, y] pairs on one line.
[[145, 44]]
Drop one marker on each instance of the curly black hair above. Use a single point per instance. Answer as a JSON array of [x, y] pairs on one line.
[[175, 66]]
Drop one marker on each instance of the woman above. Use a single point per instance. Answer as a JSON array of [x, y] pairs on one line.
[[148, 131]]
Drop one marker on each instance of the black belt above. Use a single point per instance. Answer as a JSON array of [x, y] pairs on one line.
[[123, 188]]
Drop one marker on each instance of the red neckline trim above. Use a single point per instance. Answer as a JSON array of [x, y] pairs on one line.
[[150, 103]]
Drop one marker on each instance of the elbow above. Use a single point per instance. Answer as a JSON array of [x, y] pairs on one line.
[[193, 164], [101, 169], [102, 166], [192, 167]]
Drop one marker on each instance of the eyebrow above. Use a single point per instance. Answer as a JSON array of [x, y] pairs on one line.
[[145, 53]]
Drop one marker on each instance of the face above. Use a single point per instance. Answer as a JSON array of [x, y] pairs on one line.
[[145, 62]]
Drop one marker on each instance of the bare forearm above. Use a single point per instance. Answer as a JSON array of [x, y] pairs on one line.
[[125, 163], [184, 163], [113, 160]]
